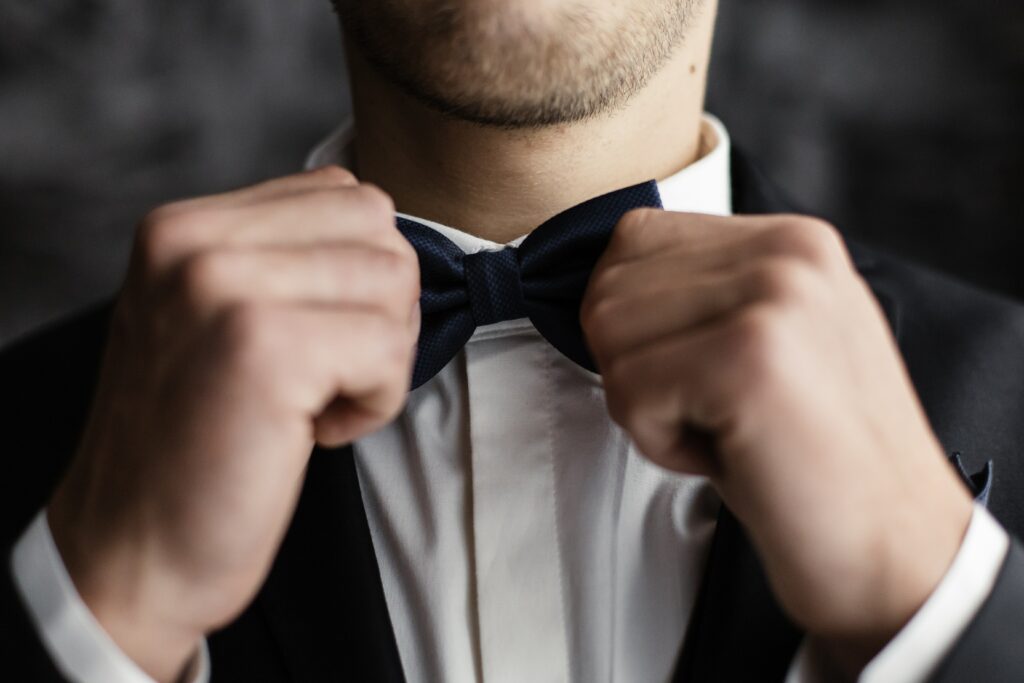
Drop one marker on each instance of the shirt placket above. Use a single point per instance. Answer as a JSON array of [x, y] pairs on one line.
[[520, 607]]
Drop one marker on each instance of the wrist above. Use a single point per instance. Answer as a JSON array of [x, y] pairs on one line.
[[130, 602], [915, 552]]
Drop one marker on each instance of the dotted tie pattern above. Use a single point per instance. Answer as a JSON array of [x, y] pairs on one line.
[[543, 279]]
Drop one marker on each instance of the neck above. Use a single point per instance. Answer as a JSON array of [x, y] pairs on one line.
[[498, 183]]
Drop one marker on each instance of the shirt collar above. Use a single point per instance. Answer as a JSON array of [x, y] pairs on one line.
[[705, 186]]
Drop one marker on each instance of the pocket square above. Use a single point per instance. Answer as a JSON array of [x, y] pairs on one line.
[[979, 483]]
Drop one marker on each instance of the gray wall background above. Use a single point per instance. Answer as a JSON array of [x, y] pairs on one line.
[[903, 122]]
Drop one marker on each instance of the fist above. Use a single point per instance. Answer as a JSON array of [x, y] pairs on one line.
[[251, 325], [749, 349]]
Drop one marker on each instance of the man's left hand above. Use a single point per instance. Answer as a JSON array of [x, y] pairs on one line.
[[749, 349]]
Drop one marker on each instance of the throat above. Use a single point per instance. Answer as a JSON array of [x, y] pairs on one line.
[[499, 184]]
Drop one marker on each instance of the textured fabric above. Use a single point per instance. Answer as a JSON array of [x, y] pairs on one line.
[[917, 650], [79, 645], [322, 614], [543, 279], [521, 536], [990, 650]]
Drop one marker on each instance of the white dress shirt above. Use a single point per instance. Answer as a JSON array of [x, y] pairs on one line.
[[519, 534]]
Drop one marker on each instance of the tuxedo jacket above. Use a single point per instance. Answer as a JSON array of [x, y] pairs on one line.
[[321, 614]]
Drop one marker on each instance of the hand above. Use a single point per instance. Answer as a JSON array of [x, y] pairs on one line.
[[749, 349], [251, 325]]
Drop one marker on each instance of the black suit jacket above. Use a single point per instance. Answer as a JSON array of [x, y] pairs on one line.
[[321, 615]]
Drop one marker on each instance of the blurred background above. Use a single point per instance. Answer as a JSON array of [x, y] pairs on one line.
[[902, 122]]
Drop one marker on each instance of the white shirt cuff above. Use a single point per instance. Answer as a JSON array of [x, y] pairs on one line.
[[918, 649], [80, 647]]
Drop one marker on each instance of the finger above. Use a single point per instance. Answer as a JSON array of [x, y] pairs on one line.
[[649, 311], [321, 179], [673, 266], [174, 232], [668, 393], [306, 358], [358, 213], [324, 178], [646, 232], [646, 301], [337, 273], [368, 388], [343, 421], [709, 242], [644, 277]]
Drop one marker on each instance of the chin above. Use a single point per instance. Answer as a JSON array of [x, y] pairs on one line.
[[517, 63], [497, 11]]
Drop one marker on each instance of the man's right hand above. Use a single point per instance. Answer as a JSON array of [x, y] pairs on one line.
[[252, 324]]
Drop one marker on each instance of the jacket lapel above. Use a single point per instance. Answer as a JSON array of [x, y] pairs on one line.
[[753, 193], [323, 599], [737, 631], [325, 603]]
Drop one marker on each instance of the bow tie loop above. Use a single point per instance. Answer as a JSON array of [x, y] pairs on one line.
[[543, 279], [494, 286]]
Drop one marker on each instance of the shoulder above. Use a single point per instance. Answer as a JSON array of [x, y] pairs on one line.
[[964, 350], [937, 318], [46, 384]]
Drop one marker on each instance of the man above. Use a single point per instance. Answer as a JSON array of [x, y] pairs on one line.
[[640, 444]]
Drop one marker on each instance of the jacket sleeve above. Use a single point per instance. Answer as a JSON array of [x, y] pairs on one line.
[[991, 650], [77, 643], [46, 386]]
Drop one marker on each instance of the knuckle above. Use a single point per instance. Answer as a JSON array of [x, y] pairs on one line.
[[658, 450], [376, 202], [629, 413], [636, 220], [410, 282], [334, 174], [249, 335], [617, 409], [827, 245], [157, 216], [402, 275], [392, 343], [161, 232], [784, 280], [617, 375], [598, 320], [393, 401], [361, 209], [605, 281], [759, 343], [405, 248], [202, 275], [811, 239], [356, 208], [406, 272], [633, 225]]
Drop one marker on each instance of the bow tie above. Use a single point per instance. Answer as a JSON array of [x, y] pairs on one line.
[[543, 279]]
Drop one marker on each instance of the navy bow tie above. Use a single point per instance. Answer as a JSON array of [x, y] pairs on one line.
[[543, 279]]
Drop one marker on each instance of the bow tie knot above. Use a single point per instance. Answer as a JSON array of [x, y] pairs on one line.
[[494, 286], [544, 279]]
